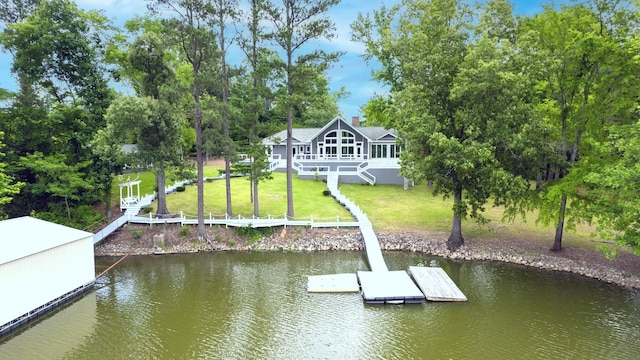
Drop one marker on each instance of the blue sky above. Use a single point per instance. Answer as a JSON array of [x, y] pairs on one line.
[[351, 71]]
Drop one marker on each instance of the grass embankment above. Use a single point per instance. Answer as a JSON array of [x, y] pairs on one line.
[[389, 207]]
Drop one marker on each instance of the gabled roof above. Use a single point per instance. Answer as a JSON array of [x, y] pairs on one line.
[[25, 236], [306, 135]]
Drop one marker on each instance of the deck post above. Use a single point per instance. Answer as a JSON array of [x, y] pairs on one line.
[[338, 221], [150, 219], [181, 218], [210, 220]]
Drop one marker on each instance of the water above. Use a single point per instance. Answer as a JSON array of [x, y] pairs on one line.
[[255, 306]]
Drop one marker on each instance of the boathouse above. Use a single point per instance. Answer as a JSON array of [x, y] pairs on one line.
[[42, 265]]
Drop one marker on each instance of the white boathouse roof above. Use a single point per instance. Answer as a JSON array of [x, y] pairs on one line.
[[24, 236]]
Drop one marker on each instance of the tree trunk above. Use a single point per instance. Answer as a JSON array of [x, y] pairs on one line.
[[201, 232], [456, 240], [557, 241], [290, 213], [162, 194], [227, 184], [107, 202], [256, 206]]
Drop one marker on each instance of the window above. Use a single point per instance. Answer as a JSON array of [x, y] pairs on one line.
[[379, 151]]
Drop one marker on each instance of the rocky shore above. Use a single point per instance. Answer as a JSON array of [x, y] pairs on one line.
[[142, 240]]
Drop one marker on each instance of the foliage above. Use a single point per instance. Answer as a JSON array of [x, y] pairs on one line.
[[296, 23], [63, 94], [8, 186], [586, 71], [461, 105], [252, 234]]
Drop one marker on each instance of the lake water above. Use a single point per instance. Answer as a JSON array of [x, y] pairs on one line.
[[255, 306]]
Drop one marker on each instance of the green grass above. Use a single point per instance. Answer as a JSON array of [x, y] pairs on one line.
[[389, 207], [307, 195]]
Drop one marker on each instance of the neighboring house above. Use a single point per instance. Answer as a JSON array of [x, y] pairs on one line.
[[358, 153]]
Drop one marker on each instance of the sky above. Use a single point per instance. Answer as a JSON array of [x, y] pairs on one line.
[[351, 71]]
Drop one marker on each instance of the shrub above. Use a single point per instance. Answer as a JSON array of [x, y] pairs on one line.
[[326, 192], [252, 234], [184, 231], [180, 188], [147, 210], [231, 243], [136, 234]]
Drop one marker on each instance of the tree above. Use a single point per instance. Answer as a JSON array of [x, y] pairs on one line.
[[461, 106], [58, 178], [224, 12], [8, 187], [13, 11], [155, 126], [590, 85], [58, 56], [297, 22], [195, 40], [255, 100]]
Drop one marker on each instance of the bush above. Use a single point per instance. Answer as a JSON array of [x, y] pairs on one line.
[[136, 234], [252, 234], [147, 210], [326, 192], [180, 188], [184, 231]]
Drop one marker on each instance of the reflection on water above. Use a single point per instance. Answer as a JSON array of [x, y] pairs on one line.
[[255, 305], [55, 335]]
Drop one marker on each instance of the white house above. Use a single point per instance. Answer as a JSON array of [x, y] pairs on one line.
[[42, 265], [357, 153]]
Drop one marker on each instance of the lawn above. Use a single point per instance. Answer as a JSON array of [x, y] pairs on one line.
[[389, 207], [308, 199]]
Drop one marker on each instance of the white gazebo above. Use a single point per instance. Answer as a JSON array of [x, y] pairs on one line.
[[132, 193]]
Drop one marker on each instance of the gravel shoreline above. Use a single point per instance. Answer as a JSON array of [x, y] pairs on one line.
[[302, 239]]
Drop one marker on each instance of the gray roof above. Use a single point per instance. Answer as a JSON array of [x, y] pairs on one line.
[[305, 135], [129, 148]]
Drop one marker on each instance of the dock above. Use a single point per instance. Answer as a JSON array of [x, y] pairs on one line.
[[381, 286], [435, 284]]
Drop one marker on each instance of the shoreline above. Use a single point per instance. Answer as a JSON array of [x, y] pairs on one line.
[[623, 271]]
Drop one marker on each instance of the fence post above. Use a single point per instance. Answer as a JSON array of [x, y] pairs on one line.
[[150, 220], [338, 220], [285, 220], [210, 220], [181, 218]]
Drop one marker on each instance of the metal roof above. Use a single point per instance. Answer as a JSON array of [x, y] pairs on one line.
[[24, 236], [306, 135]]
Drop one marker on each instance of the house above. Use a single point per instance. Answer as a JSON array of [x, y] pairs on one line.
[[42, 265], [358, 153]]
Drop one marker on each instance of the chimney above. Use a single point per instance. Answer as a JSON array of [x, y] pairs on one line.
[[355, 120]]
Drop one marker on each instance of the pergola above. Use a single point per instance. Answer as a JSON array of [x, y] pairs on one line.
[[132, 193]]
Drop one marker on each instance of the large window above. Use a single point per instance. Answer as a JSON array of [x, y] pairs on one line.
[[384, 151], [343, 139]]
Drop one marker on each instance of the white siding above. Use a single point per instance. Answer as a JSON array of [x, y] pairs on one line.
[[32, 281]]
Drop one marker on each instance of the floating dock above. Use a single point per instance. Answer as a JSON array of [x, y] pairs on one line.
[[381, 286], [436, 284], [389, 287], [336, 283]]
